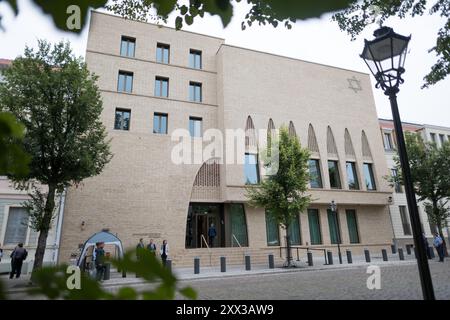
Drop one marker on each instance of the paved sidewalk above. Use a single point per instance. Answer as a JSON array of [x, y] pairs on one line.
[[22, 284]]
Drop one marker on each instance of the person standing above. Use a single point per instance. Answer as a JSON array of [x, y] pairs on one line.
[[427, 246], [152, 247], [139, 247], [439, 245], [212, 234], [18, 255], [164, 252], [100, 260]]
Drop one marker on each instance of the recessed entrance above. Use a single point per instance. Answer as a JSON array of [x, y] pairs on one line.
[[228, 220]]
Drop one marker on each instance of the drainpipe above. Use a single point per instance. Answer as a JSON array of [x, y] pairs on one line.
[[62, 200]]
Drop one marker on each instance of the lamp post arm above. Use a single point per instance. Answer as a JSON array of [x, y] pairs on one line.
[[424, 270]]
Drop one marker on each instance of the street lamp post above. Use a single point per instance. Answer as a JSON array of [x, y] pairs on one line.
[[333, 207], [385, 57]]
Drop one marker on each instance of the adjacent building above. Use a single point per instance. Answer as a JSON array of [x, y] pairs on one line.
[[399, 212], [155, 81]]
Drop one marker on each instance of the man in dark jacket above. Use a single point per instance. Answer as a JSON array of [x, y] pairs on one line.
[[17, 256], [100, 260]]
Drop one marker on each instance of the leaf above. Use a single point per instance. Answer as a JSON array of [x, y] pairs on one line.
[[13, 158], [127, 293], [13, 4], [164, 7], [183, 10], [189, 20], [178, 23], [188, 292], [304, 9], [222, 8], [58, 11]]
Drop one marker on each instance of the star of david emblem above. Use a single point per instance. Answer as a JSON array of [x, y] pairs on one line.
[[354, 84]]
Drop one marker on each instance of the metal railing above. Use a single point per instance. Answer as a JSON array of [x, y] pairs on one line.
[[233, 237], [307, 250], [207, 246]]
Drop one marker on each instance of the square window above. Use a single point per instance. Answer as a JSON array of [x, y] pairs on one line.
[[195, 91], [125, 82], [162, 53], [122, 119], [161, 87], [160, 123], [127, 47], [195, 59]]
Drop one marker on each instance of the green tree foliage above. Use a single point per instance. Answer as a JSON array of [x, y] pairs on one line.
[[13, 158], [283, 193], [52, 282], [430, 173], [55, 97], [363, 13], [272, 12]]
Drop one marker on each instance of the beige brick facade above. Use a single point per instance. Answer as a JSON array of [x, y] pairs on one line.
[[142, 193]]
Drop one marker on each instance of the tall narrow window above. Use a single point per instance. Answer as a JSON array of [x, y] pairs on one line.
[[17, 226], [161, 87], [160, 123], [294, 231], [388, 141], [314, 226], [195, 59], [315, 178], [238, 223], [162, 53], [127, 46], [333, 171], [122, 119], [352, 226], [195, 126], [397, 185], [369, 177], [405, 221], [251, 168], [442, 139], [125, 82], [333, 221], [433, 137], [195, 91], [352, 176], [272, 230]]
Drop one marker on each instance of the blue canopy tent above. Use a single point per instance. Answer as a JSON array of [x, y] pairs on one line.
[[102, 236]]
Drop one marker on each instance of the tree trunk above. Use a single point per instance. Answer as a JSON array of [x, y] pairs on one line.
[[288, 249], [439, 226], [43, 233]]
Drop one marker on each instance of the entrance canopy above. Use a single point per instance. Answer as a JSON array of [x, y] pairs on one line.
[[103, 236]]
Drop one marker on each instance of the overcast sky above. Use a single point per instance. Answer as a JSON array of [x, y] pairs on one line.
[[317, 40]]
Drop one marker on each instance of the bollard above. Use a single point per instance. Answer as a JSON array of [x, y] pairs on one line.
[[196, 265], [330, 257], [393, 249], [223, 264], [107, 273], [310, 259], [400, 254], [349, 256], [271, 261], [384, 254], [367, 255], [247, 263], [408, 249], [169, 264]]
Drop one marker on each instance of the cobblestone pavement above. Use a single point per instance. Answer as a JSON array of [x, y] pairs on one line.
[[397, 282]]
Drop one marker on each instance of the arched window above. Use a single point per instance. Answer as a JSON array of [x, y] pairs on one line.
[[350, 164], [251, 168], [333, 161], [315, 174], [369, 176], [292, 131]]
